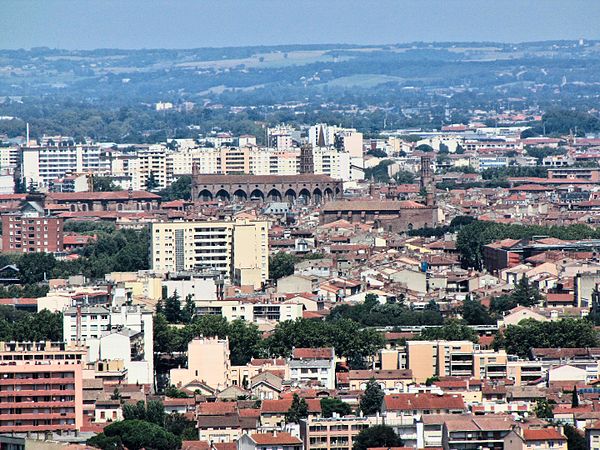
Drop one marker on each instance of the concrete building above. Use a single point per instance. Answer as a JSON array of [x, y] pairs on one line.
[[256, 311], [42, 164], [269, 441], [118, 332], [208, 362], [334, 433], [237, 250], [313, 365], [32, 231], [454, 358], [41, 387]]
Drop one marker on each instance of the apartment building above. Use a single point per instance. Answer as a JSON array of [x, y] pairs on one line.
[[9, 157], [42, 164], [114, 333], [334, 433], [313, 365], [150, 162], [237, 250], [41, 387], [32, 231], [208, 362], [454, 358], [256, 311]]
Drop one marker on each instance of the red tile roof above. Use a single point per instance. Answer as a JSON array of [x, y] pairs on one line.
[[216, 408], [280, 438], [411, 402], [543, 434], [282, 406], [313, 353]]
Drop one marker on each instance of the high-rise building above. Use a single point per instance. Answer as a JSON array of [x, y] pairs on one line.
[[208, 361], [41, 387], [238, 250], [32, 231], [42, 164]]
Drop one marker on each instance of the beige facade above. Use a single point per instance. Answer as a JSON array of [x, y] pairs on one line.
[[453, 358], [334, 433], [238, 250], [208, 362], [263, 312]]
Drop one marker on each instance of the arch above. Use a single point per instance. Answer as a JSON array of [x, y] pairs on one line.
[[274, 195], [304, 194], [328, 193], [317, 195], [257, 194], [240, 195], [337, 191], [222, 195], [290, 195], [205, 195], [119, 206]]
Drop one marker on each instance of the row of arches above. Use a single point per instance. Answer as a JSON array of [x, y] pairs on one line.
[[273, 195]]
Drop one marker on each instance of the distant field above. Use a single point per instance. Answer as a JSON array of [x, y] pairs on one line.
[[363, 80]]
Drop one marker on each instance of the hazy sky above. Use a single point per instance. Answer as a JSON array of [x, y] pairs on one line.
[[86, 24]]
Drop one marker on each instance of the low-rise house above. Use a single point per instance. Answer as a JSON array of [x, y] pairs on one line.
[[313, 366], [269, 441], [273, 412], [389, 380], [535, 438]]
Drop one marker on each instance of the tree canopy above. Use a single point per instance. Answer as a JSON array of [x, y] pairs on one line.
[[371, 400], [377, 436]]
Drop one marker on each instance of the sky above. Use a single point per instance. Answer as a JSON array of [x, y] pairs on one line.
[[131, 24]]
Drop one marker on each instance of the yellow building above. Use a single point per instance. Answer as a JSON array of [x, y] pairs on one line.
[[238, 250], [427, 359]]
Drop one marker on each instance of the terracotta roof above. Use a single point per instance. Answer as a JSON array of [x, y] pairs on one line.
[[543, 434], [280, 438], [410, 402], [372, 205], [312, 353], [282, 406], [87, 196], [216, 408], [380, 374]]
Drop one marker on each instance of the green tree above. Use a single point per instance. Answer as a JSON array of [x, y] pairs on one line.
[[298, 410], [173, 392], [330, 405], [172, 308], [371, 400], [180, 189], [151, 182], [543, 409], [135, 435], [452, 330], [424, 148], [181, 426], [377, 436], [575, 441], [575, 399], [474, 313], [526, 294], [281, 265], [104, 184], [189, 309]]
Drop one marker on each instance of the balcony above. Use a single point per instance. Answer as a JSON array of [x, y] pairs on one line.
[[36, 416], [40, 393]]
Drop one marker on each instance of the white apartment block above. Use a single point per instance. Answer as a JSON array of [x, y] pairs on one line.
[[9, 157], [238, 250], [260, 312], [100, 328], [42, 164], [330, 161]]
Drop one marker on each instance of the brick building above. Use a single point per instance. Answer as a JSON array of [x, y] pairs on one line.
[[31, 231]]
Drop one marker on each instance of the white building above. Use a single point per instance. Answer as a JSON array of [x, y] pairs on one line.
[[117, 332]]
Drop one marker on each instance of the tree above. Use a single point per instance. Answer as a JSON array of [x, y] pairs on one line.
[[424, 148], [281, 265], [153, 411], [135, 435], [453, 330], [575, 399], [180, 189], [298, 410], [330, 405], [377, 436], [104, 184], [575, 441], [172, 308], [189, 309], [371, 400], [474, 313], [151, 182], [404, 177], [543, 409], [173, 392], [526, 294], [181, 426]]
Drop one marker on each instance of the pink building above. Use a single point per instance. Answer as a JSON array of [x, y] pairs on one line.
[[40, 390]]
